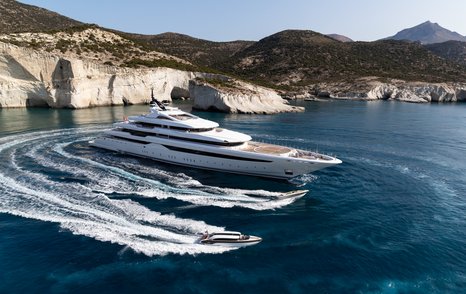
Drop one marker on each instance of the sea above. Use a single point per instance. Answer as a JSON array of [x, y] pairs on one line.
[[390, 219]]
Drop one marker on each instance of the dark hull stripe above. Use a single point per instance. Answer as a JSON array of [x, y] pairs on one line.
[[131, 140], [211, 154]]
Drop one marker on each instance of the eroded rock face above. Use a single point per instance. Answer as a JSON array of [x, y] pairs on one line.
[[238, 97], [179, 93], [417, 92], [32, 78]]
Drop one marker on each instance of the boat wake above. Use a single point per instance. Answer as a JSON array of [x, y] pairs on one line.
[[55, 176]]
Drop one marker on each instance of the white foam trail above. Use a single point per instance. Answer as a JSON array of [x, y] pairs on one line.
[[82, 210], [85, 213], [183, 180], [303, 180], [117, 221]]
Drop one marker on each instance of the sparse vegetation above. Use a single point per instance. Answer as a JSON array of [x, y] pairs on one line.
[[63, 45], [202, 52], [274, 59], [18, 17], [284, 61], [137, 62], [451, 50], [308, 57], [219, 82]]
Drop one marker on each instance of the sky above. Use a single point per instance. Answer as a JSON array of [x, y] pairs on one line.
[[221, 20]]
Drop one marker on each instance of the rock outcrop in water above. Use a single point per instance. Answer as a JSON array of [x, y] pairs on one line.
[[419, 92], [368, 89], [233, 96]]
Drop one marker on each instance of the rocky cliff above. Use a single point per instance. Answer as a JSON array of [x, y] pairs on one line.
[[419, 92], [233, 96], [371, 89], [33, 78]]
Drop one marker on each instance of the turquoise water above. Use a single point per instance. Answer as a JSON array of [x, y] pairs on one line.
[[390, 219]]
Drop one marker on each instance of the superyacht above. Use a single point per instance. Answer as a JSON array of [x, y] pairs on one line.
[[173, 136]]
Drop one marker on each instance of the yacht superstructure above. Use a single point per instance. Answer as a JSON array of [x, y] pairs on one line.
[[170, 135]]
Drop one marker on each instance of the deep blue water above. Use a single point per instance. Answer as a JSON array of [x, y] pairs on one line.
[[390, 219]]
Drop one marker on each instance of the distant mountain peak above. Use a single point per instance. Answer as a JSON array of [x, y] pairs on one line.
[[428, 33], [340, 38]]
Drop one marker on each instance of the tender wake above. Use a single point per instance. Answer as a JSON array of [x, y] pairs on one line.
[[42, 177]]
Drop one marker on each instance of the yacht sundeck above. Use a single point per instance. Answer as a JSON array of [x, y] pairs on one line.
[[231, 239], [170, 135]]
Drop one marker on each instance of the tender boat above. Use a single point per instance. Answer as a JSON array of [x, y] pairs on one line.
[[282, 195], [231, 239], [292, 194], [170, 135]]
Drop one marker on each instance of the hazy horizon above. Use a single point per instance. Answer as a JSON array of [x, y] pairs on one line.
[[360, 20]]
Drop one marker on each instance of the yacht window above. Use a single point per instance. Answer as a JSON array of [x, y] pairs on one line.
[[208, 142], [212, 154], [178, 128], [130, 140], [135, 133], [144, 134], [200, 130]]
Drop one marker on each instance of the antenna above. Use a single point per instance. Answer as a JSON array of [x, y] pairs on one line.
[[155, 101], [152, 98]]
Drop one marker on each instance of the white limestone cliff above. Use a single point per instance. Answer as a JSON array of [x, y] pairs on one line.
[[33, 78], [419, 92], [38, 78], [235, 96], [398, 90]]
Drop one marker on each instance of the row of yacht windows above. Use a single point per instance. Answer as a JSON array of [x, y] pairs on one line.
[[152, 125], [144, 134]]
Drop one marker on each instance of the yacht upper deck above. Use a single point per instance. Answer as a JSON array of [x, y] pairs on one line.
[[265, 148]]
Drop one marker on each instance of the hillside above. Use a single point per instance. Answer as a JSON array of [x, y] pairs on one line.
[[99, 45], [452, 50], [297, 58], [428, 33], [291, 60], [17, 17], [199, 51]]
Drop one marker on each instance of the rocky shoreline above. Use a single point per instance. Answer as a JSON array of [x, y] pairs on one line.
[[31, 78], [234, 96], [371, 89]]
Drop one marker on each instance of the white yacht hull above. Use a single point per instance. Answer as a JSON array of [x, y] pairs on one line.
[[235, 244], [229, 239], [214, 158]]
